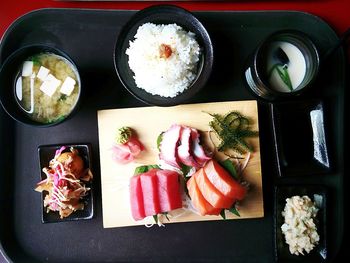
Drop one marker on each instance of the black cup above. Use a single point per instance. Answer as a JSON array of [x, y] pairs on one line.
[[256, 73]]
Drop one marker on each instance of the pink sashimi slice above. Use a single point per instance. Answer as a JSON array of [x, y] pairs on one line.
[[199, 153], [169, 190], [136, 198], [149, 184], [121, 153], [127, 152], [169, 144], [185, 149]]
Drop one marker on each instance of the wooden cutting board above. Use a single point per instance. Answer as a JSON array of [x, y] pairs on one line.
[[149, 122]]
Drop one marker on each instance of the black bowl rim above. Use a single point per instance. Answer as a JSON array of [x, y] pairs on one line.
[[207, 60], [49, 48], [277, 95]]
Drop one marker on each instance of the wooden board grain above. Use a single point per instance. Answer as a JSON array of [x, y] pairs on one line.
[[149, 122]]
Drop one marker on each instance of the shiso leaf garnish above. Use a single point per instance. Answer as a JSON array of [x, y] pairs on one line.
[[232, 129], [229, 167], [145, 168], [222, 214], [234, 210]]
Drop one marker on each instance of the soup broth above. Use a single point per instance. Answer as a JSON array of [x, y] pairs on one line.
[[47, 87]]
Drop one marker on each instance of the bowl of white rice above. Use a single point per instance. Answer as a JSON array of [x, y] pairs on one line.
[[163, 55]]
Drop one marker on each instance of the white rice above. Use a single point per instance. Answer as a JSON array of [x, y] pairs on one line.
[[158, 75]]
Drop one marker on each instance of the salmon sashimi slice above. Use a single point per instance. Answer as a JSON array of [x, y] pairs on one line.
[[210, 193], [223, 181], [198, 200], [149, 184], [136, 198], [169, 190]]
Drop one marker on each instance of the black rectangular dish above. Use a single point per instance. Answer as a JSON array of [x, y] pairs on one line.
[[46, 154], [89, 37], [318, 195]]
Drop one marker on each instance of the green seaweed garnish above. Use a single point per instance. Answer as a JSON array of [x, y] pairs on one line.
[[233, 130], [63, 97]]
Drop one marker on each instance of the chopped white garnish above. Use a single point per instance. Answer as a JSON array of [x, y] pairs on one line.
[[19, 88], [50, 85], [27, 68], [43, 72], [68, 86]]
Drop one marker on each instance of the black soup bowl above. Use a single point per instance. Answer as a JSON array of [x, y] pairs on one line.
[[10, 72], [163, 15]]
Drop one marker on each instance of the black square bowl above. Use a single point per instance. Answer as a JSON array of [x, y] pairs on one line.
[[319, 253], [299, 130], [46, 153]]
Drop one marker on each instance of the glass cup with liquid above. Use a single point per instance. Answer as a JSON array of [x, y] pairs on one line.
[[283, 66]]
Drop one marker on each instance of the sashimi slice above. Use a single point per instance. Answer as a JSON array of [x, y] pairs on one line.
[[210, 193], [198, 200], [136, 198], [200, 155], [149, 184], [169, 144], [223, 181], [185, 149], [169, 190]]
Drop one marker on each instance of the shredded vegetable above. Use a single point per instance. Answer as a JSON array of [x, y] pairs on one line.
[[65, 182]]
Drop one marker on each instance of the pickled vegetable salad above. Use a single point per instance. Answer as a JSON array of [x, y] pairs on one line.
[[65, 182]]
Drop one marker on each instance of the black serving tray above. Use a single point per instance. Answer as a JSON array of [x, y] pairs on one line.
[[89, 37]]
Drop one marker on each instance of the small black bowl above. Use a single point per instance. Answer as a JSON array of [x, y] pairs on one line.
[[256, 73], [319, 253], [163, 14], [8, 76], [47, 153]]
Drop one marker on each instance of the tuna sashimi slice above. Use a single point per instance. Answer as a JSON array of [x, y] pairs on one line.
[[210, 193], [149, 184], [185, 149], [198, 200], [136, 198], [169, 144], [169, 190], [198, 151], [223, 181]]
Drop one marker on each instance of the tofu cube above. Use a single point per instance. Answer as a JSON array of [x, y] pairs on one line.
[[68, 86], [50, 85], [27, 68], [43, 72], [19, 88]]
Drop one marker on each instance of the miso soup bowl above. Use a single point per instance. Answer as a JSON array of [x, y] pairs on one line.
[[8, 75]]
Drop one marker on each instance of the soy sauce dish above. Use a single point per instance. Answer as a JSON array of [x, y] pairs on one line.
[[39, 86], [301, 223], [163, 55]]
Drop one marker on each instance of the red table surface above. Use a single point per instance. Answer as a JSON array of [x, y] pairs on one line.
[[335, 12]]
